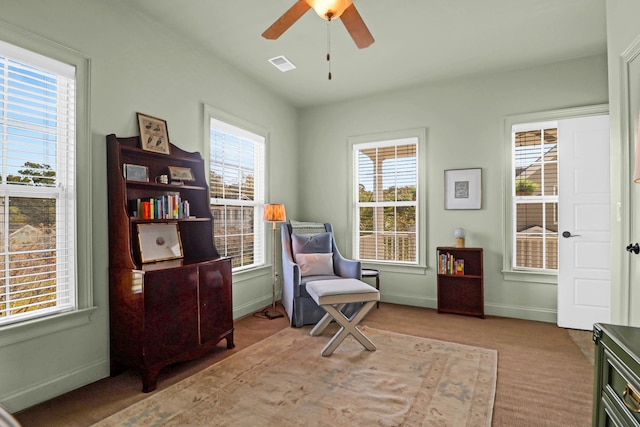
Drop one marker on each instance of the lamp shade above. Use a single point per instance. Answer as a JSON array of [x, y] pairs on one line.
[[274, 213], [459, 233], [329, 9]]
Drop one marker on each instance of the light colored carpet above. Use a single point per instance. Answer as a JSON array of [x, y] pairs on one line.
[[584, 341], [283, 381]]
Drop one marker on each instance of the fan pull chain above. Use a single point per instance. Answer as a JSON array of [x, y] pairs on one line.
[[329, 48]]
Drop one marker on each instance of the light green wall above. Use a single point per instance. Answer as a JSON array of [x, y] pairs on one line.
[[463, 118], [139, 66], [136, 66], [622, 32]]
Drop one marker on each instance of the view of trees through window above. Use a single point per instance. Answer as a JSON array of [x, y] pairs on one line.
[[32, 243], [236, 179], [233, 225], [387, 202], [37, 135]]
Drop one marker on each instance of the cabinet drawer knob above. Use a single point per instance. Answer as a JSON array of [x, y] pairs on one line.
[[631, 395]]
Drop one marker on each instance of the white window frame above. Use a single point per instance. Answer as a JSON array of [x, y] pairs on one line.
[[257, 135], [517, 200], [386, 139], [80, 315], [508, 241]]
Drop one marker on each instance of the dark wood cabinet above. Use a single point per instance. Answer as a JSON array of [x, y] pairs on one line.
[[168, 311], [616, 399], [460, 281]]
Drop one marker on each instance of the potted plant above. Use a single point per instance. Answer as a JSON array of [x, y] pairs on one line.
[[525, 187]]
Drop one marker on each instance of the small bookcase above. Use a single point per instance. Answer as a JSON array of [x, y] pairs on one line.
[[460, 281]]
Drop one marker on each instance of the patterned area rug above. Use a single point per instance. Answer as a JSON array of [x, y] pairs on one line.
[[283, 381]]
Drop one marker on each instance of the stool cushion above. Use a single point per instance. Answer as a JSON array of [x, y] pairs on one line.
[[340, 291]]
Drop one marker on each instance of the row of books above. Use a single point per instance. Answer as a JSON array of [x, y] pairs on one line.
[[170, 206], [448, 264]]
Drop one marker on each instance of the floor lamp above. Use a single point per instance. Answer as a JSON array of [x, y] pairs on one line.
[[274, 213]]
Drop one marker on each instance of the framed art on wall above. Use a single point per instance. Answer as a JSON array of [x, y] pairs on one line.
[[463, 188], [154, 135]]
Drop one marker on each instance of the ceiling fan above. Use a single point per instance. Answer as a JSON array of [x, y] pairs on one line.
[[326, 9]]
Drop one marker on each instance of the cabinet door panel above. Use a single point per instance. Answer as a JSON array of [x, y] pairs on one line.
[[216, 317], [171, 313]]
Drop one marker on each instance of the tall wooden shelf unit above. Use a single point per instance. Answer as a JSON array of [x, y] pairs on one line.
[[462, 293], [169, 311]]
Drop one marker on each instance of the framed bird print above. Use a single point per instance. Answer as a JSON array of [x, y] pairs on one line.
[[181, 174], [154, 135]]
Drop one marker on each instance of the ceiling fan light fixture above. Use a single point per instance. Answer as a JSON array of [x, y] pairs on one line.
[[329, 9]]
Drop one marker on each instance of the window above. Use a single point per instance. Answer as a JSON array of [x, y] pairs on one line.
[[237, 170], [535, 196], [386, 197], [37, 188]]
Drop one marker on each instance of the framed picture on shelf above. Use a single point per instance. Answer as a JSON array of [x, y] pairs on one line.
[[177, 173], [463, 188], [154, 135], [159, 242], [136, 172]]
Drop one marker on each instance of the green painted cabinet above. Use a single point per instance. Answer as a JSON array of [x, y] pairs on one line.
[[616, 398]]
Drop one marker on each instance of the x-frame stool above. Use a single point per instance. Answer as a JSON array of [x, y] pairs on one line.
[[332, 295]]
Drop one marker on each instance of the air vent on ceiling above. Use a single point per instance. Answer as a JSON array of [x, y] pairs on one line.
[[282, 63]]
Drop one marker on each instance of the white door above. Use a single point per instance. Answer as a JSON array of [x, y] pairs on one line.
[[584, 278]]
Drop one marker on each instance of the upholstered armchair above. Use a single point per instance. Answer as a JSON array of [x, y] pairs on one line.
[[309, 253]]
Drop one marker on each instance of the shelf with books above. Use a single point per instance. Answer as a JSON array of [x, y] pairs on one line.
[[166, 206], [190, 219], [184, 279], [460, 281]]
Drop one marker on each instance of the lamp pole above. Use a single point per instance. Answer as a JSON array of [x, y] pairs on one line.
[[274, 213], [273, 313]]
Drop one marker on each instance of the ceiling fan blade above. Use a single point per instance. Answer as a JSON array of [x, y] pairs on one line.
[[286, 20], [356, 27]]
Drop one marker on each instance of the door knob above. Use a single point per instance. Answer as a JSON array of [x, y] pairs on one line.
[[567, 234], [633, 248]]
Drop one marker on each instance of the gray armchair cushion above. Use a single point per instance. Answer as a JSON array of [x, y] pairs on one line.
[[315, 264], [311, 244]]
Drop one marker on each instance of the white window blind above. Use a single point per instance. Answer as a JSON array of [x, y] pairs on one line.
[[237, 162], [535, 196], [386, 198], [37, 192]]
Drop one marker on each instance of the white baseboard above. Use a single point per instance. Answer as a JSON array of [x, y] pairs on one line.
[[252, 306], [500, 310], [519, 312], [53, 387], [412, 301]]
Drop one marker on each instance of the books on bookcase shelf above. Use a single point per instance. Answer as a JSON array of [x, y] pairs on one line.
[[448, 264], [168, 206]]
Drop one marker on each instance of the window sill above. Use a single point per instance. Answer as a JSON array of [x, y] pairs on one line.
[[530, 276], [252, 273], [30, 329]]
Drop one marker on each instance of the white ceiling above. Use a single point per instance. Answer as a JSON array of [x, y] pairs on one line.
[[416, 40]]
